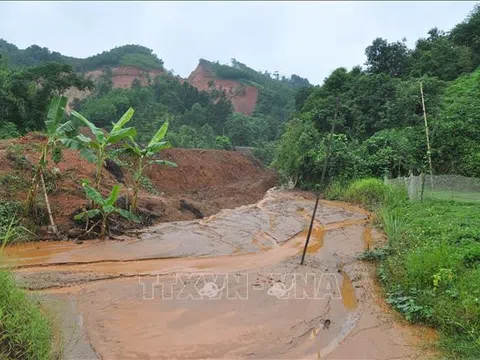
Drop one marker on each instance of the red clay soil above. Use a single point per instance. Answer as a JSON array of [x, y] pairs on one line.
[[243, 97], [122, 77], [209, 180]]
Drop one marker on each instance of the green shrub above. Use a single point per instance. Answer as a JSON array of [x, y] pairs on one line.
[[15, 154], [335, 191], [11, 229], [13, 182], [148, 185], [25, 332], [8, 130], [223, 143], [370, 193]]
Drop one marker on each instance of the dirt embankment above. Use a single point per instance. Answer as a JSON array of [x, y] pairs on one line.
[[243, 97], [204, 182]]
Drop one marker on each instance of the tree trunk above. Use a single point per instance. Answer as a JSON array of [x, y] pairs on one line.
[[136, 188], [98, 174], [103, 229], [52, 223], [31, 194]]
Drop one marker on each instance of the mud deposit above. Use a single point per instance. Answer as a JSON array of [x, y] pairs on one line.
[[227, 286]]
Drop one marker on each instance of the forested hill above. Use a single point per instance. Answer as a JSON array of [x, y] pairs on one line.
[[217, 106], [127, 55], [379, 127]]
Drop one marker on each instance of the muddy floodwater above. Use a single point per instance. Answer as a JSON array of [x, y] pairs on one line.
[[227, 286]]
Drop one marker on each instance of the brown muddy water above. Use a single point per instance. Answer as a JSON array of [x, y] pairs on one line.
[[228, 286]]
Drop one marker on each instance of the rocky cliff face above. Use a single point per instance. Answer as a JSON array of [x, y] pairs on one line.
[[243, 97], [123, 76]]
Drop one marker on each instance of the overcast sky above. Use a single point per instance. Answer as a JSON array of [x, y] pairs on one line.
[[306, 38]]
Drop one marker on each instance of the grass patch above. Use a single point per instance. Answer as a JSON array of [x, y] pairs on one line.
[[147, 185], [25, 332], [15, 153], [370, 193], [14, 182], [11, 228], [431, 267], [462, 196]]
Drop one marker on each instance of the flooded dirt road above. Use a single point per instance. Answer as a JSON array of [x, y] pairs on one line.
[[228, 286]]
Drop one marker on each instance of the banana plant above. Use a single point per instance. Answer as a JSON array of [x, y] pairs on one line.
[[156, 144], [56, 132], [105, 207], [95, 150]]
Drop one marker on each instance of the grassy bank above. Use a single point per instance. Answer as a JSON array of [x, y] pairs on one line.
[[430, 267], [25, 332]]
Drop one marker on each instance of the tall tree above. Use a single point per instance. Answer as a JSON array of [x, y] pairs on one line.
[[388, 58]]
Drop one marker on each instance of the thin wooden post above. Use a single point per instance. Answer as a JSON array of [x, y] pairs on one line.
[[422, 178], [427, 135], [310, 228], [324, 170]]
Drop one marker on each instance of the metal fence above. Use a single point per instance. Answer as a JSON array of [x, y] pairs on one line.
[[444, 187]]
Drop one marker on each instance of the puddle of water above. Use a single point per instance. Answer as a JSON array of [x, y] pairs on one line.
[[348, 292], [367, 238], [316, 240]]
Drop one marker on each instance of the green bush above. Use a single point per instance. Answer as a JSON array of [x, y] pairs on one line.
[[8, 130], [13, 182], [11, 229], [25, 332], [223, 142], [335, 191], [368, 192], [371, 193]]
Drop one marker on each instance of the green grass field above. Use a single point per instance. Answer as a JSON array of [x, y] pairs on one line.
[[430, 268], [462, 196]]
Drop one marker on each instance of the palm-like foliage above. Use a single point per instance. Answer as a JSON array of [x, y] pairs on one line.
[[104, 207], [156, 144], [56, 132], [95, 149]]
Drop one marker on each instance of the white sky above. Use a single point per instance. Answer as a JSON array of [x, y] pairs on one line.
[[306, 38]]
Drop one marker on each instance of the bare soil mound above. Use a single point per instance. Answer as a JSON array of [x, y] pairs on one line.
[[204, 182]]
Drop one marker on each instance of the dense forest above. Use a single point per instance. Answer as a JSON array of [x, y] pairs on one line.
[[127, 55], [377, 112]]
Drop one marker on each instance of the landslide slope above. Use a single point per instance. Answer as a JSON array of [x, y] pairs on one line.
[[208, 180]]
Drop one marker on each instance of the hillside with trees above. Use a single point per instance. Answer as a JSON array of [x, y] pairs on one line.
[[202, 115], [377, 113], [127, 55]]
